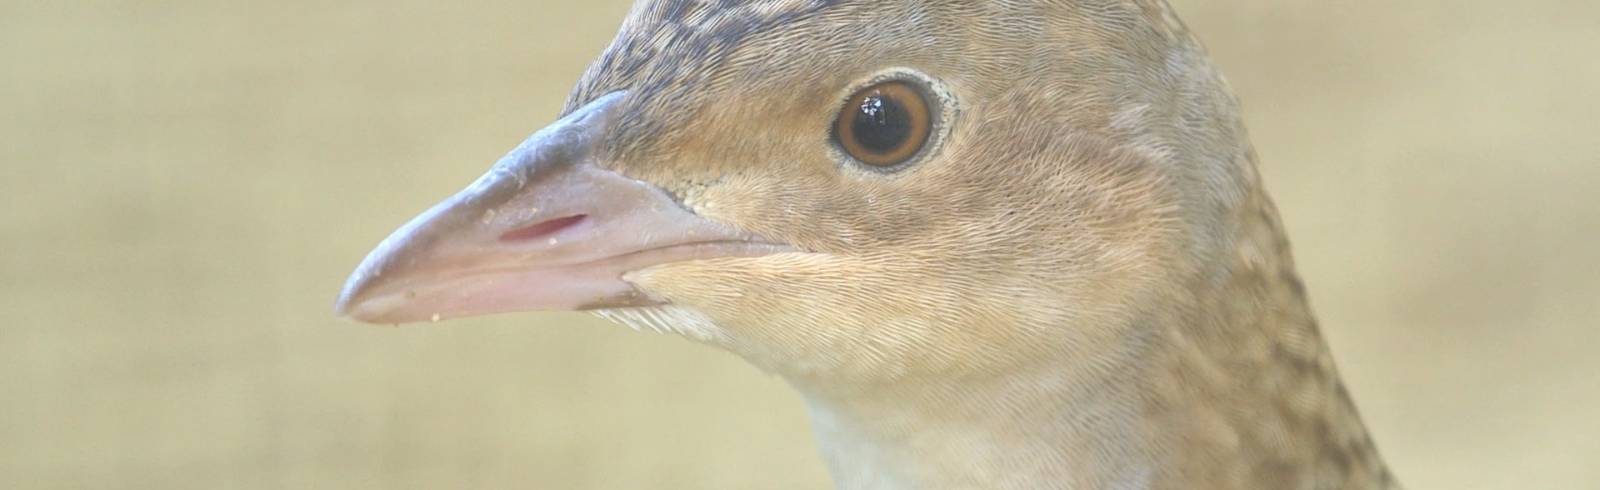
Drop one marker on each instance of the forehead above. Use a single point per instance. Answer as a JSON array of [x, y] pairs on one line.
[[675, 57], [664, 41]]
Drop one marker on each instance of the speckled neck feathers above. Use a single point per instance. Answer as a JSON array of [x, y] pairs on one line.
[[1086, 287]]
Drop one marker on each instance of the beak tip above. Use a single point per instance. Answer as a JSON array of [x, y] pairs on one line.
[[349, 305], [356, 312], [342, 308], [345, 310]]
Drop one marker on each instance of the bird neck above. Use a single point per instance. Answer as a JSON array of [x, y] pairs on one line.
[[999, 432], [1227, 385]]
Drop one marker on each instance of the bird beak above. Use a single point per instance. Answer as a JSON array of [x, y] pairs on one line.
[[543, 229]]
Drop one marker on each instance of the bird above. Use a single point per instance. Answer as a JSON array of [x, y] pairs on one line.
[[992, 244]]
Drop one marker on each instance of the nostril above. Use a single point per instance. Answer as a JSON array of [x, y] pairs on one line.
[[542, 228]]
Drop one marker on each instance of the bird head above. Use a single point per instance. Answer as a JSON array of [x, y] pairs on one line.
[[850, 191]]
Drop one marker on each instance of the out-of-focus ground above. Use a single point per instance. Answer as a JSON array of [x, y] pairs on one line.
[[184, 185]]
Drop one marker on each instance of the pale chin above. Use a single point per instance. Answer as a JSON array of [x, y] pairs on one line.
[[669, 318]]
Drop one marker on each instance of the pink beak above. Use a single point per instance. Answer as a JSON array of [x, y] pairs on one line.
[[543, 229]]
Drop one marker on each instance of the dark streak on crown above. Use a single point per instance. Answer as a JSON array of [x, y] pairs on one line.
[[676, 44]]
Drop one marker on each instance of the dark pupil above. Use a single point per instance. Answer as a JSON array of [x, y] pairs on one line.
[[881, 124]]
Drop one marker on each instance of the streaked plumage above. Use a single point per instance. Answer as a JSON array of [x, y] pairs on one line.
[[1083, 284]]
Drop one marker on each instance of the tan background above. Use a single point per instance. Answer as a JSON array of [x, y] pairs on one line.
[[184, 185]]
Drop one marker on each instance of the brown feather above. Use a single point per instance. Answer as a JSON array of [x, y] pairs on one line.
[[1084, 286]]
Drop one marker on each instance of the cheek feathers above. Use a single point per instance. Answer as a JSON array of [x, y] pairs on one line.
[[844, 316], [958, 265]]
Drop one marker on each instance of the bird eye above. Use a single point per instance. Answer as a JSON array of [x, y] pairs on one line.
[[883, 125]]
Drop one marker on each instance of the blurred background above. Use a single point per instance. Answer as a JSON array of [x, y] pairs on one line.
[[184, 186]]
